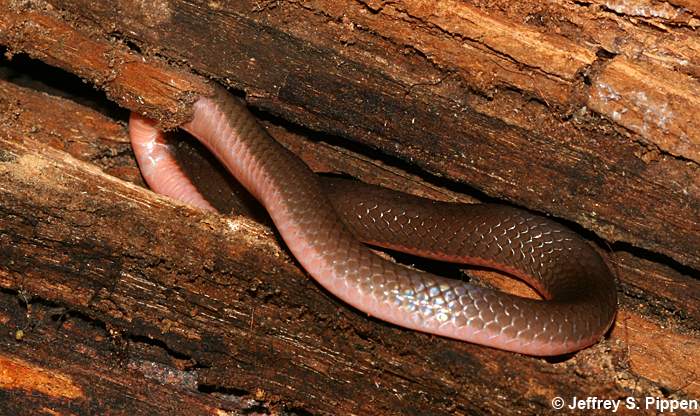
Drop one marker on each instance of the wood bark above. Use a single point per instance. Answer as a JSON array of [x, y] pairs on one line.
[[567, 111]]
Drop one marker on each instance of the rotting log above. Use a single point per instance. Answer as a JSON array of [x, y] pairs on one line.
[[567, 108], [148, 285], [195, 305], [178, 296]]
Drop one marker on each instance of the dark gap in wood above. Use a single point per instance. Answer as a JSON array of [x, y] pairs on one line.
[[605, 55], [35, 74], [298, 411], [655, 258], [154, 342], [56, 312], [129, 43], [209, 389], [558, 359], [441, 268]]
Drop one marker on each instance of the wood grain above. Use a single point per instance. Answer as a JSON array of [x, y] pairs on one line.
[[583, 110], [178, 297], [521, 113]]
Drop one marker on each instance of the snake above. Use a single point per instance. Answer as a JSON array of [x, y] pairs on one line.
[[330, 230]]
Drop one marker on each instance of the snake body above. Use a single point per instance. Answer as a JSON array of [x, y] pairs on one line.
[[322, 226]]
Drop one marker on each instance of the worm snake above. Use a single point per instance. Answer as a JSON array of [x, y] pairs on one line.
[[323, 226]]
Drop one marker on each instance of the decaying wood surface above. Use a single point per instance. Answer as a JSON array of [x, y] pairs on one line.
[[214, 306], [565, 109], [577, 109]]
